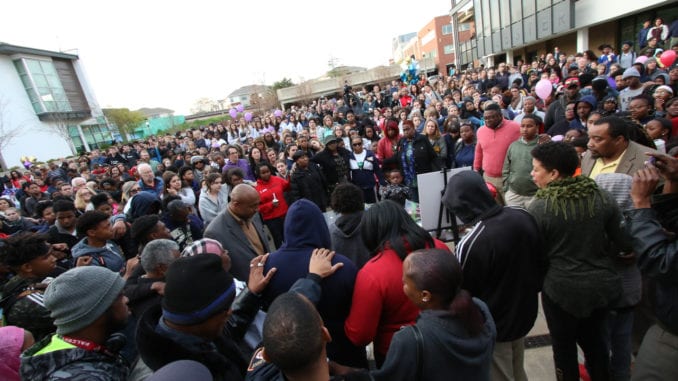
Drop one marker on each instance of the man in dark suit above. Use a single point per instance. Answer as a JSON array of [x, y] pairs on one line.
[[611, 151], [239, 230]]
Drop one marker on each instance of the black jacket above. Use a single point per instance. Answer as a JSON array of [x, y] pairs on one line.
[[225, 363], [502, 257], [425, 158], [325, 159], [449, 352], [657, 259], [309, 183]]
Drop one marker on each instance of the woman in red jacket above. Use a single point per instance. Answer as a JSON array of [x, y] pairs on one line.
[[388, 145], [273, 206], [380, 307]]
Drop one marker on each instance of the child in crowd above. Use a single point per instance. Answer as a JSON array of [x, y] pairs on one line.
[[395, 190], [518, 164]]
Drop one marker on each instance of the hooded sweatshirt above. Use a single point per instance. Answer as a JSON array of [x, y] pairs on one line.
[[346, 238], [501, 258], [305, 230], [141, 204], [448, 349], [109, 256]]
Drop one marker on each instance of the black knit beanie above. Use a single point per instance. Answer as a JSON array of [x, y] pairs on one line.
[[196, 288]]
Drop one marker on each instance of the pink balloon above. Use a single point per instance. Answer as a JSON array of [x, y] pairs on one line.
[[233, 113], [641, 59], [240, 107], [543, 88], [668, 58], [248, 116]]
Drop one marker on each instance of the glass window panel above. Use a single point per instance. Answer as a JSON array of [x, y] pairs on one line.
[[494, 14], [48, 67], [543, 4], [50, 106], [477, 12], [53, 81], [487, 27], [34, 66], [505, 13], [43, 91], [528, 7], [40, 80], [516, 10]]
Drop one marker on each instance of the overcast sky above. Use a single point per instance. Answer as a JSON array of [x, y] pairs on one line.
[[169, 54]]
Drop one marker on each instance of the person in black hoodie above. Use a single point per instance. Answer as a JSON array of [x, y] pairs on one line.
[[333, 162], [503, 262], [307, 181]]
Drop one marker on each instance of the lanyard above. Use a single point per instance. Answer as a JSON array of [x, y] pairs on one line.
[[87, 345]]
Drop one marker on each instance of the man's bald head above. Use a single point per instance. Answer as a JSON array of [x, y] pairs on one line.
[[244, 191], [244, 201]]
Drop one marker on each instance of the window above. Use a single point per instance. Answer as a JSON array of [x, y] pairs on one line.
[[448, 49], [447, 29], [43, 86], [464, 26]]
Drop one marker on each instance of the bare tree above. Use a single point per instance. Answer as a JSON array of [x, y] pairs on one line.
[[7, 132], [59, 125]]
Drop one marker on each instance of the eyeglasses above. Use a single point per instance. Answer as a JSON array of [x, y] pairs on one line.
[[134, 190], [356, 144]]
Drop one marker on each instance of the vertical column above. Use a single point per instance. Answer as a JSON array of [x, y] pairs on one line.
[[82, 137], [583, 39], [509, 57]]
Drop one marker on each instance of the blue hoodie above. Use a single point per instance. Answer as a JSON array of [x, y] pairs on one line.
[[305, 230]]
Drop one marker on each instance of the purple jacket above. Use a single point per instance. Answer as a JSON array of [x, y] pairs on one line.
[[242, 164]]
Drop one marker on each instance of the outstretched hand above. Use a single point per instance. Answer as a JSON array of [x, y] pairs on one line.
[[644, 184], [321, 263], [667, 165], [258, 281]]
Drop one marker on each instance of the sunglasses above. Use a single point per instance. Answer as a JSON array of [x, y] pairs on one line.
[[357, 144]]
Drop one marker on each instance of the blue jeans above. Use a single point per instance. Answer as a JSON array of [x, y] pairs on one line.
[[620, 325]]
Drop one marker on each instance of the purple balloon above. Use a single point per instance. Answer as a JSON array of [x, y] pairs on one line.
[[233, 113], [612, 82], [240, 107], [248, 116], [277, 113]]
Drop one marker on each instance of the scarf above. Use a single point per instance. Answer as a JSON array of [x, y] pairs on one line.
[[570, 196]]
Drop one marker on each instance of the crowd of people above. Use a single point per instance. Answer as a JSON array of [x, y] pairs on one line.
[[570, 196]]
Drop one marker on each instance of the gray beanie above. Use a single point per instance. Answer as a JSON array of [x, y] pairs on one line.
[[79, 296]]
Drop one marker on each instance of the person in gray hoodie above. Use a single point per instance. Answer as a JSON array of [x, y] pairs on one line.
[[347, 201]]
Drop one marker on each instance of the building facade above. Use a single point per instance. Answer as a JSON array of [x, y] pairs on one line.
[[434, 40], [513, 30], [47, 106]]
